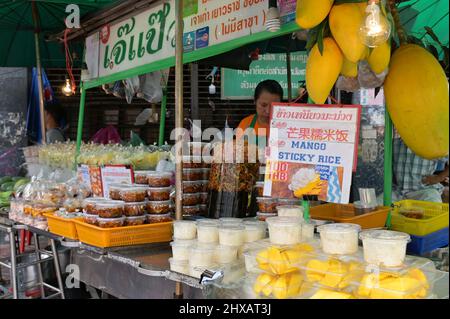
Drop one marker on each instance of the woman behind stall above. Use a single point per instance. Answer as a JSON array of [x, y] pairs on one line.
[[54, 116]]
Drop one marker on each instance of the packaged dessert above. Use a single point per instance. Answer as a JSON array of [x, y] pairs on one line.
[[259, 189], [231, 235], [159, 179], [192, 162], [159, 193], [284, 230], [384, 248], [192, 174], [135, 220], [90, 218], [203, 198], [204, 184], [161, 218], [191, 199], [230, 221], [181, 248], [73, 205], [205, 173], [114, 190], [208, 231], [184, 229], [263, 216], [190, 187], [290, 211], [133, 194], [140, 177], [110, 222], [267, 204], [202, 209], [179, 266], [88, 204], [202, 255], [191, 210], [225, 254], [134, 209], [110, 209], [254, 231], [339, 238], [159, 207]]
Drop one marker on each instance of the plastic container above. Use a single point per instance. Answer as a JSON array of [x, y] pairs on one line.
[[181, 249], [202, 209], [290, 211], [288, 201], [204, 185], [231, 235], [205, 173], [159, 193], [202, 255], [193, 174], [184, 229], [254, 231], [134, 209], [88, 204], [341, 213], [420, 245], [284, 230], [133, 194], [159, 179], [90, 218], [179, 266], [267, 204], [114, 190], [208, 231], [110, 222], [203, 198], [225, 254], [191, 210], [135, 220], [161, 218], [159, 207], [263, 216], [110, 209], [362, 208], [190, 187], [307, 231], [140, 177], [339, 239], [191, 199], [192, 162], [435, 217], [259, 189], [230, 221], [384, 248]]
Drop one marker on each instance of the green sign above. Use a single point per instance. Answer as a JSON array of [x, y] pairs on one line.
[[240, 84], [190, 7]]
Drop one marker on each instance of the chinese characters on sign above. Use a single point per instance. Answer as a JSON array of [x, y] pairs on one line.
[[312, 151]]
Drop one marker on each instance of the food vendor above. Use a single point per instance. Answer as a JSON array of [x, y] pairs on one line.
[[266, 93], [54, 115]]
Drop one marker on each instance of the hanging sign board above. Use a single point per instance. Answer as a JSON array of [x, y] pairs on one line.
[[312, 151], [149, 36], [241, 84]]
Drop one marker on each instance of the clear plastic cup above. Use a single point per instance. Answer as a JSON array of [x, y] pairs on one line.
[[179, 266], [384, 248], [202, 255], [184, 229], [208, 231], [284, 230], [231, 235], [181, 248], [225, 254], [290, 211], [339, 238], [254, 230]]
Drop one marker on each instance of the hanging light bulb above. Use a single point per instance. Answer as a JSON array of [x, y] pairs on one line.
[[67, 88], [375, 29]]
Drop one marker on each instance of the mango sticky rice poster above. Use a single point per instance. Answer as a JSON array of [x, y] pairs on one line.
[[312, 151]]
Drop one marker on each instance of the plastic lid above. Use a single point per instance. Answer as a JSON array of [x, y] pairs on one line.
[[252, 224], [100, 219], [233, 220], [265, 199], [339, 228], [290, 207], [232, 228], [95, 199], [168, 188], [89, 215], [225, 247], [135, 188], [159, 202], [136, 217], [266, 214], [136, 203], [283, 221], [288, 200], [208, 223], [204, 181], [184, 222], [183, 242], [110, 204], [158, 216], [385, 235], [159, 174]]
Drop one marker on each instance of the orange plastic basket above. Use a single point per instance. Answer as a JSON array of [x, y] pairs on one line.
[[62, 226], [124, 236], [340, 213]]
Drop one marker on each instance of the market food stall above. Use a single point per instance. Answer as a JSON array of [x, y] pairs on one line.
[[275, 255]]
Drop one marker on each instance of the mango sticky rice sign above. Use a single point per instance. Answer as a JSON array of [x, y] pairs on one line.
[[312, 151]]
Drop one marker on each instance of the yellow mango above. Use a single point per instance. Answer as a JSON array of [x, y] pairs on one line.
[[280, 288], [420, 276], [349, 69], [329, 294], [395, 288], [322, 71], [278, 264], [379, 57], [261, 282], [345, 21], [303, 247], [262, 259], [294, 282], [417, 99], [316, 270], [311, 13], [368, 282]]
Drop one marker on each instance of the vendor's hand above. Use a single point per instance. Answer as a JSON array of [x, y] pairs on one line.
[[432, 180]]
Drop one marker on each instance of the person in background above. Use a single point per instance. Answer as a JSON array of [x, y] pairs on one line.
[[266, 93], [54, 115], [414, 175]]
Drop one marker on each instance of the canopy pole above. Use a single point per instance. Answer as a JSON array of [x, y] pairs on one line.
[[388, 153], [80, 122], [289, 74], [162, 120], [39, 70], [179, 121]]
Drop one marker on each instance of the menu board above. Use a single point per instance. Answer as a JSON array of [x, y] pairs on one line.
[[312, 151], [115, 174]]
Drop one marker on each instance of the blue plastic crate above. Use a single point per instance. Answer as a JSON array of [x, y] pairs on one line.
[[420, 245]]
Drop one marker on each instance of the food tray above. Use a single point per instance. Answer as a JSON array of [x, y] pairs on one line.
[[341, 213], [420, 245], [124, 236], [435, 217], [62, 226]]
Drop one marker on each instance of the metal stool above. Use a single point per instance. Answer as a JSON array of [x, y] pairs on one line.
[[14, 264]]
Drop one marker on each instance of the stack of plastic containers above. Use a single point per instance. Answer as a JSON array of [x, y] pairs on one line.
[[159, 205], [195, 185]]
